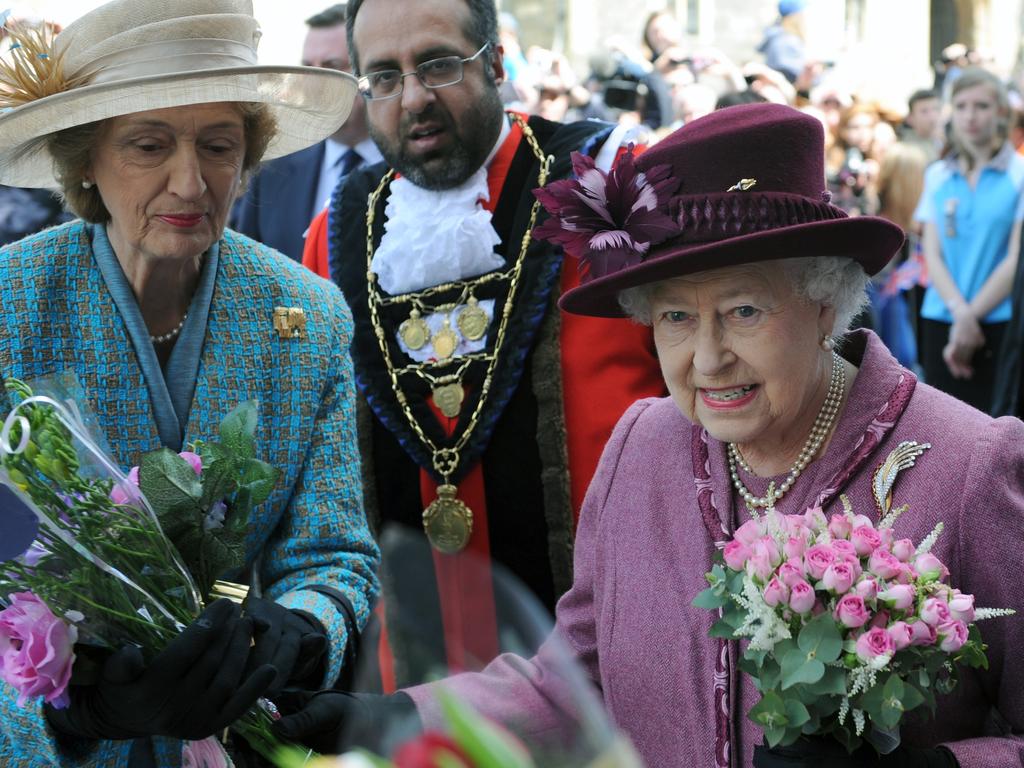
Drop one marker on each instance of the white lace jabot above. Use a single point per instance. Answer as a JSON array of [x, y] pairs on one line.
[[432, 237]]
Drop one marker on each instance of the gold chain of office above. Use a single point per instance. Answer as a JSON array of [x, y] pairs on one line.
[[448, 522]]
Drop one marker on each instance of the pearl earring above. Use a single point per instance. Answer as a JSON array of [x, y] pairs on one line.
[[86, 184], [828, 343]]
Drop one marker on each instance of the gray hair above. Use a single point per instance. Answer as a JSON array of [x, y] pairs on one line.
[[835, 281]]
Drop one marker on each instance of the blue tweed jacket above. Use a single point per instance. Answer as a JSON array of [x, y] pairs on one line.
[[312, 530]]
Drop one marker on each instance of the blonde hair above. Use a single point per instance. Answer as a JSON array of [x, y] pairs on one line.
[[970, 78], [900, 182]]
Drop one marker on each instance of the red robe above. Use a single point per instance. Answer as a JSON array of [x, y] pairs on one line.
[[606, 364]]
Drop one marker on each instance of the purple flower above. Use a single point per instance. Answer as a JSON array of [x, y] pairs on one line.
[[214, 518], [610, 220], [36, 650]]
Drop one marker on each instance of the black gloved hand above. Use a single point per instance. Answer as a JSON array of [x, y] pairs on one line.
[[828, 753], [291, 641], [196, 687], [331, 722]]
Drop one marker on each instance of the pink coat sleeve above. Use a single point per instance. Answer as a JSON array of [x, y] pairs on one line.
[[991, 566]]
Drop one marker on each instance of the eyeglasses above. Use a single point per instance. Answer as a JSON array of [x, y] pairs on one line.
[[436, 73]]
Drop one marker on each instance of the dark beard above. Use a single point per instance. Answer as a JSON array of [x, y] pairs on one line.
[[451, 167]]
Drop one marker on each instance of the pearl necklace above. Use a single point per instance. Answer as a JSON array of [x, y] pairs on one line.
[[170, 334], [822, 426]]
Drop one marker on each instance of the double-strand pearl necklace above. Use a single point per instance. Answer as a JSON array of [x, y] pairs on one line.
[[170, 334], [822, 426]]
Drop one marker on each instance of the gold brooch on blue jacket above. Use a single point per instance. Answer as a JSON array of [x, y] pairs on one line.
[[290, 322]]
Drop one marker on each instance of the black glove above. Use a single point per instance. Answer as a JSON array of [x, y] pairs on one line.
[[196, 686], [828, 753], [292, 642], [331, 722]]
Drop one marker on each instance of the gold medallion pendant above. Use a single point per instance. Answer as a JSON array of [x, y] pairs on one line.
[[447, 521], [448, 397], [473, 321], [414, 331], [445, 342]]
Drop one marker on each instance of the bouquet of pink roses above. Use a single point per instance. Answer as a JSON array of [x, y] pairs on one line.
[[848, 626], [109, 563]]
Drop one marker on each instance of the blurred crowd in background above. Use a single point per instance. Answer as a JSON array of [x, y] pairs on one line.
[[876, 154]]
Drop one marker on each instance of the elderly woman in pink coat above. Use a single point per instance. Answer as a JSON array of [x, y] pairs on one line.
[[749, 278]]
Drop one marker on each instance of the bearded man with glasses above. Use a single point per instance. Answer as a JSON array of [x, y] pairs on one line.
[[484, 408]]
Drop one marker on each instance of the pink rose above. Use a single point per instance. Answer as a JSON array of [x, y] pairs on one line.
[[817, 559], [794, 525], [935, 611], [851, 612], [866, 588], [903, 549], [899, 596], [952, 635], [36, 650], [923, 633], [844, 551], [874, 643], [194, 460], [962, 606], [790, 572], [764, 558], [736, 554], [759, 566], [840, 526], [207, 753], [859, 520], [795, 547], [750, 531], [815, 519], [776, 593], [884, 564], [901, 633], [839, 577], [885, 536], [801, 596], [929, 567], [865, 540]]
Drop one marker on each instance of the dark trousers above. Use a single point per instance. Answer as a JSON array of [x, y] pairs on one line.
[[977, 390]]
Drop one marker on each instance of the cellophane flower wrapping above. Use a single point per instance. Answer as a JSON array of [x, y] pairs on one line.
[[102, 573], [847, 626]]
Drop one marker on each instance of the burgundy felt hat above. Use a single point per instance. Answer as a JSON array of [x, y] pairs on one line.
[[743, 184]]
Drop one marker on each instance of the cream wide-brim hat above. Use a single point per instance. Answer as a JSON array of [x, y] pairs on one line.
[[133, 56]]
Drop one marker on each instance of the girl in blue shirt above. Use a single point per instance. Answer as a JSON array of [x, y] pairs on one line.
[[971, 211]]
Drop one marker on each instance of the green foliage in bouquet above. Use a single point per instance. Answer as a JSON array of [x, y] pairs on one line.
[[206, 515], [85, 536]]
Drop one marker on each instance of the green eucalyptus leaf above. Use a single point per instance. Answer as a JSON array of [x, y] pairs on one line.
[[722, 628], [770, 712], [796, 713], [820, 638], [710, 598], [774, 736], [798, 666], [912, 697], [832, 683]]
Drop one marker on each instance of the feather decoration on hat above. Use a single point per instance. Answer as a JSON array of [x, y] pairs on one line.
[[32, 69], [610, 220]]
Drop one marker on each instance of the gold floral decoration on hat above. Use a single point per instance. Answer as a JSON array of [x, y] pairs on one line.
[[32, 69]]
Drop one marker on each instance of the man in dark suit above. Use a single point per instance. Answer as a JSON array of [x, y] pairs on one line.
[[290, 191]]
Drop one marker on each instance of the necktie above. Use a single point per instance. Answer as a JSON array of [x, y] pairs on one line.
[[347, 162]]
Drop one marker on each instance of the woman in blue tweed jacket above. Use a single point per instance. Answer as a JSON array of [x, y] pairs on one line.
[[169, 321]]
